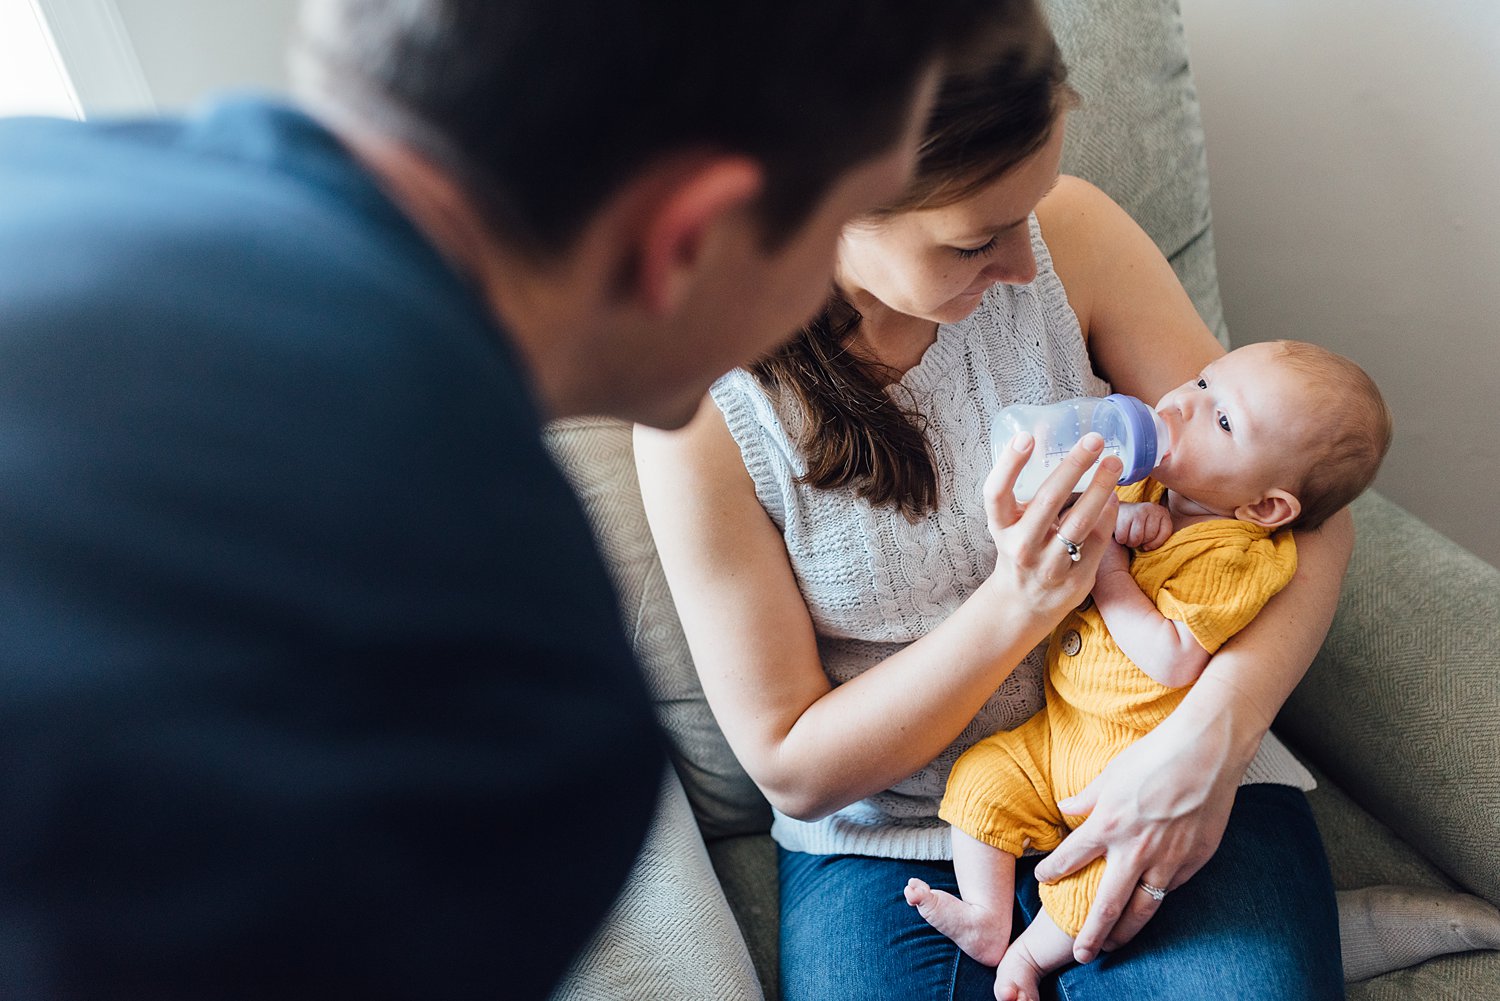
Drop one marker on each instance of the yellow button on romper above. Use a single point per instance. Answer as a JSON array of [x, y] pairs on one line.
[[1213, 576]]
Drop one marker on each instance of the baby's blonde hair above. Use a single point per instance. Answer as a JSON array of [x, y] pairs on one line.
[[1354, 431]]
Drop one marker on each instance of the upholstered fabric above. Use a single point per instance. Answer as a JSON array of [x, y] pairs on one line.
[[1364, 852], [1400, 706], [671, 933], [746, 865], [1137, 133], [597, 458]]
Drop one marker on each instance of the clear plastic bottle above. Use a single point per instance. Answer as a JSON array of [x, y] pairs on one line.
[[1131, 430]]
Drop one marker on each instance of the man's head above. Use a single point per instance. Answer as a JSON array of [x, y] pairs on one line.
[[546, 106], [638, 138], [1281, 433]]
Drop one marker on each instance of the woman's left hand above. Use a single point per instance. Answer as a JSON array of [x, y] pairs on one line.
[[1158, 812]]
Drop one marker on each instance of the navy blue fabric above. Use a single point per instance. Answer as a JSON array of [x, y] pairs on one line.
[[1258, 921], [308, 665]]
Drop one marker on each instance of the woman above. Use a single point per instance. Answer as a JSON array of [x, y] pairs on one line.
[[863, 596]]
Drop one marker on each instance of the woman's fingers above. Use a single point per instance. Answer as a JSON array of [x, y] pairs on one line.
[[1057, 489], [999, 486], [1142, 907], [1077, 850], [1120, 896], [1092, 516], [1044, 513], [1029, 536]]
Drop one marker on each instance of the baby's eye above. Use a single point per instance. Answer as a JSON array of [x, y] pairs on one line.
[[1202, 384], [1224, 423]]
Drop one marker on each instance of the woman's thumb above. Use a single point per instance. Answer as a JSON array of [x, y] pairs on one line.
[[1081, 803]]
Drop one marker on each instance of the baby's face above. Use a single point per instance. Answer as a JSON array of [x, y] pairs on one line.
[[1238, 430]]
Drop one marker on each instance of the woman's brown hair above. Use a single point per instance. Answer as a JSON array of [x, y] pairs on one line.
[[857, 433]]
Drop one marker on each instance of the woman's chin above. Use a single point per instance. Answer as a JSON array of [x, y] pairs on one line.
[[959, 307]]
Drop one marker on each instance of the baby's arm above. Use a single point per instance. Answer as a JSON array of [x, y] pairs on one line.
[[1162, 647]]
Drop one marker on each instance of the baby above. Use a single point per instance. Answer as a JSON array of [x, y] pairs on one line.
[[1269, 437]]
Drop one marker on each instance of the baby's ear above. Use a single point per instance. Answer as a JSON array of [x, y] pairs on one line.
[[1275, 509]]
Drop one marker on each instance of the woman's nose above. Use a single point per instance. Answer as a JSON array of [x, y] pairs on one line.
[[1014, 263]]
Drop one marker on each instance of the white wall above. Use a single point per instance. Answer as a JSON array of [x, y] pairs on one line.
[[31, 78], [1354, 154], [189, 47]]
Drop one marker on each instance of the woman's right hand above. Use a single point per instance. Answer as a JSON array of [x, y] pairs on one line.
[[1031, 560]]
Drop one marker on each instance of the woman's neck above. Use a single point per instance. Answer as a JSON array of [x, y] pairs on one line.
[[895, 340]]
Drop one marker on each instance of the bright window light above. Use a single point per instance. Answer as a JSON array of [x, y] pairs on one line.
[[32, 78]]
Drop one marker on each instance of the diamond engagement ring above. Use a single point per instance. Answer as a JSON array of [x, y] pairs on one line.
[[1157, 893], [1074, 553]]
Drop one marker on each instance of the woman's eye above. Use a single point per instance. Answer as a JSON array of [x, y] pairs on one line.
[[1202, 383], [1224, 423], [968, 252]]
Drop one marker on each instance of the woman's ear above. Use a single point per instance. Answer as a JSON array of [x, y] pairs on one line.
[[695, 202], [1275, 509]]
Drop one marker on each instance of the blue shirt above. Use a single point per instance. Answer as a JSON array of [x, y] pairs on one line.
[[311, 680]]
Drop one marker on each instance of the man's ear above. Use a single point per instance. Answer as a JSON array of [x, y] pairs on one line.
[[1275, 509], [678, 223]]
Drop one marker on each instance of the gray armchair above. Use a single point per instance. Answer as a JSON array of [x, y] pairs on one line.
[[1397, 717]]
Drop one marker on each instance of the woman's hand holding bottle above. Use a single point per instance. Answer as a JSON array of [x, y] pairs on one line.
[[1047, 550]]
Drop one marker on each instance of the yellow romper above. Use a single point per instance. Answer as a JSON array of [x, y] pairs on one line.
[[1213, 576]]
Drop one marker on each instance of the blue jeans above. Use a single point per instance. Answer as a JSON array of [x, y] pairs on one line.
[[1258, 921]]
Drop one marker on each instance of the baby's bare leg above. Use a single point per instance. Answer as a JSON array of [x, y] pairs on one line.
[[979, 921], [1040, 949]]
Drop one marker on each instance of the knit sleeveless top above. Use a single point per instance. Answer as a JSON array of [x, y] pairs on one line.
[[874, 581]]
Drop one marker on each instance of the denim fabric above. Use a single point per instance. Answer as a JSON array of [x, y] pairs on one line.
[[1259, 921]]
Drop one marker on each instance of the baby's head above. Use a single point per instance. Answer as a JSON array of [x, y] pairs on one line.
[[1282, 434]]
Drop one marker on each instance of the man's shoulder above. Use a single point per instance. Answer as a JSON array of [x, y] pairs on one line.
[[247, 229], [246, 178]]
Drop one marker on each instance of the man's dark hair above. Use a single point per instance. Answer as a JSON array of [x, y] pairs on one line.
[[543, 108]]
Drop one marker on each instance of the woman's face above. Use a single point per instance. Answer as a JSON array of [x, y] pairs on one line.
[[936, 264]]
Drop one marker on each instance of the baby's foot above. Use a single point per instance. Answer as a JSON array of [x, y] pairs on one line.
[[1036, 952], [978, 931], [1019, 977], [1387, 928]]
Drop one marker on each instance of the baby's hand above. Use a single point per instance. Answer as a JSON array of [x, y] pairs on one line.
[[1143, 526]]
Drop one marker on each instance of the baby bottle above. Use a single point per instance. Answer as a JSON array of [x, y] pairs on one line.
[[1130, 429]]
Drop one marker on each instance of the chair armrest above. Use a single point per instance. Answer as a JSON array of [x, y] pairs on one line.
[[597, 456], [1400, 706], [671, 936]]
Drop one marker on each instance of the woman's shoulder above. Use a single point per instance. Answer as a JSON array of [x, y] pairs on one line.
[[1082, 226], [1143, 331], [1074, 209], [701, 446]]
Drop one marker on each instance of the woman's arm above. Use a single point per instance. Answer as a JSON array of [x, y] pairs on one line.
[[1144, 334], [1160, 808], [813, 748]]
